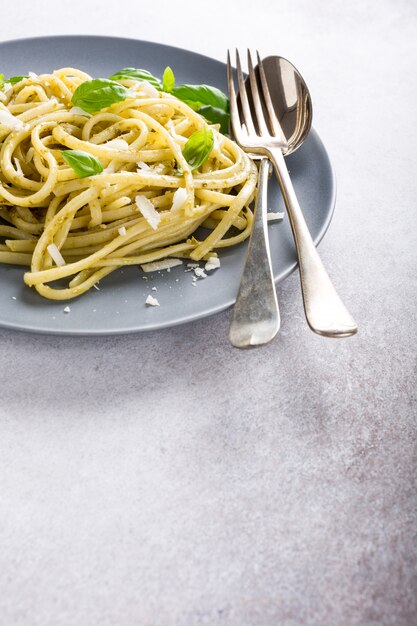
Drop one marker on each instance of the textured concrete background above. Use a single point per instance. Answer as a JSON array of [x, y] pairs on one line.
[[167, 480]]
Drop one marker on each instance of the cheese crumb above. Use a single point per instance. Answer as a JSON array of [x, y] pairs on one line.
[[142, 166], [274, 217], [79, 111], [18, 166], [159, 168], [163, 264], [212, 264], [56, 255], [179, 199], [10, 121], [67, 309], [122, 230], [149, 89], [110, 169], [148, 211], [199, 272], [117, 144], [151, 301]]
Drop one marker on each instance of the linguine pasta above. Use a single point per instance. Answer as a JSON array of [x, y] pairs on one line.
[[144, 206]]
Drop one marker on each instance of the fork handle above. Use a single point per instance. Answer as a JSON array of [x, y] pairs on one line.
[[256, 318], [325, 312]]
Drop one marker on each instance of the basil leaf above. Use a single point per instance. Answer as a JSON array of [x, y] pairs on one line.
[[130, 73], [198, 147], [99, 93], [216, 116], [83, 163], [209, 101], [197, 96], [1, 81], [15, 79], [168, 80]]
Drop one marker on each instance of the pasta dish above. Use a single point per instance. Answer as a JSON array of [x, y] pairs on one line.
[[96, 174]]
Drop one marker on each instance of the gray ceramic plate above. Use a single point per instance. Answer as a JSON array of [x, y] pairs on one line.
[[119, 305]]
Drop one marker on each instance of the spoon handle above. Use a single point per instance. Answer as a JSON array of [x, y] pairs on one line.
[[325, 312], [256, 318]]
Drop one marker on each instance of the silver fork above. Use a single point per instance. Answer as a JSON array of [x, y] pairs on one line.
[[325, 312], [256, 319]]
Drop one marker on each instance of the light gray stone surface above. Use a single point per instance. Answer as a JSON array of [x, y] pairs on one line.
[[166, 479]]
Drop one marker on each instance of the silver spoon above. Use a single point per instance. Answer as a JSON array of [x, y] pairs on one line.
[[287, 106]]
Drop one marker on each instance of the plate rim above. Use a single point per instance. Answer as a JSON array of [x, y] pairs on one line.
[[185, 319]]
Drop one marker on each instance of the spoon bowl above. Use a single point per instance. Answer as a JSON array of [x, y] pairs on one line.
[[290, 98]]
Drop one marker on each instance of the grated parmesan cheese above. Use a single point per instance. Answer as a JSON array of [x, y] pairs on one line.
[[56, 255], [117, 144], [18, 166], [32, 75], [9, 120], [163, 264], [110, 169], [143, 166], [122, 230], [159, 168], [274, 217], [79, 111], [149, 89], [67, 309], [199, 272], [179, 199], [148, 211], [151, 301], [212, 264]]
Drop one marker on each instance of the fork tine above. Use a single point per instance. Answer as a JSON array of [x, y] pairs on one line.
[[272, 118], [263, 128], [247, 115], [234, 113]]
